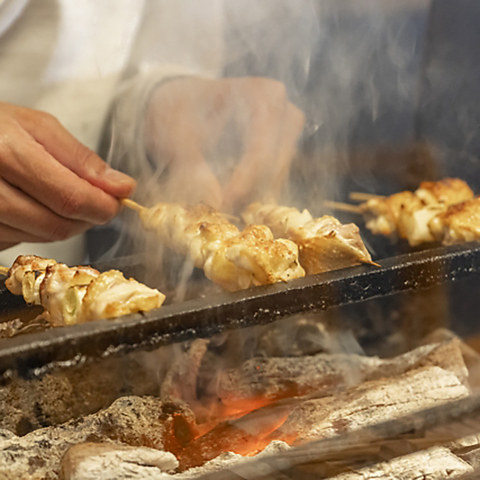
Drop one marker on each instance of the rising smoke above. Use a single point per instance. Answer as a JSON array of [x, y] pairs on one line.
[[351, 66]]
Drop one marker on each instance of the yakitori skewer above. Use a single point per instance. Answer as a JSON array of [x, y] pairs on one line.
[[73, 295], [363, 196], [421, 216], [324, 243], [231, 258], [342, 206]]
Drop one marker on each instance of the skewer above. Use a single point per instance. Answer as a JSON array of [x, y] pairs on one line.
[[140, 208], [345, 207], [364, 196], [4, 270], [231, 218], [132, 205]]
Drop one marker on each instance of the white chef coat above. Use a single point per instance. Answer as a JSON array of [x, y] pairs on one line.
[[70, 58], [66, 57]]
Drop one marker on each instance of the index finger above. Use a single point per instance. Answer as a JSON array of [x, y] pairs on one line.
[[71, 153], [29, 167]]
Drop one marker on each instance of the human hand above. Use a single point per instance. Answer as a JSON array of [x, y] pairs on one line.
[[189, 117], [51, 186]]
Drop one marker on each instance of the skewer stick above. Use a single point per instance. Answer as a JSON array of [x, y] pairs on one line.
[[132, 205], [126, 202], [345, 207], [363, 196], [4, 270]]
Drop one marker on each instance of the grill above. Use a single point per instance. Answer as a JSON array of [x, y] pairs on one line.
[[32, 363], [35, 354]]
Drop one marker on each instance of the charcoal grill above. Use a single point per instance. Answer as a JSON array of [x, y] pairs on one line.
[[37, 353]]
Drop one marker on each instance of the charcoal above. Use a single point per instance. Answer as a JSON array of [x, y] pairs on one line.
[[436, 463], [134, 421], [92, 461], [28, 404], [261, 381], [371, 403]]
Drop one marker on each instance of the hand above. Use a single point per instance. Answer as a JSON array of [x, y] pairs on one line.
[[51, 186], [187, 120]]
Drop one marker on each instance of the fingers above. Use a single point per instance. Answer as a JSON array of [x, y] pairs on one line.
[[5, 245], [28, 166], [187, 121], [12, 236], [72, 154], [272, 135], [183, 141], [23, 219], [263, 126], [291, 129], [194, 184]]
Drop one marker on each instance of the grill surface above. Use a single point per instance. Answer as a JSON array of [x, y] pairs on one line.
[[34, 354]]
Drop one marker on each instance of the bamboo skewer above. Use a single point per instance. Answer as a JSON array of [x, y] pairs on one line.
[[364, 196], [132, 205], [345, 207], [126, 202]]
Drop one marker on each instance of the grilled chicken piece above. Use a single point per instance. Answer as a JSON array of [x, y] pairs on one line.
[[448, 191], [57, 280], [324, 243], [280, 219], [62, 291], [382, 213], [458, 223], [22, 265], [109, 295], [232, 259], [407, 214], [253, 258]]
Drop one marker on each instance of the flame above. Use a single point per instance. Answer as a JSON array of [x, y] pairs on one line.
[[246, 436]]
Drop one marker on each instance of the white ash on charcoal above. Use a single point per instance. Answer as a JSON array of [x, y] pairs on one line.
[[196, 369], [261, 381], [264, 380], [92, 461], [375, 401], [55, 398], [470, 355], [181, 379], [436, 463], [115, 462], [371, 403], [133, 421]]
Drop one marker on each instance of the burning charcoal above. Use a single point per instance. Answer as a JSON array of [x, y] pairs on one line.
[[92, 461], [227, 460], [371, 403], [244, 436], [56, 398], [261, 381], [138, 422], [435, 464], [294, 337], [181, 380], [470, 355]]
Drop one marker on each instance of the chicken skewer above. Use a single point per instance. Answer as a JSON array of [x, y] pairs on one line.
[[73, 295], [418, 216], [231, 258], [407, 214], [324, 243], [458, 223]]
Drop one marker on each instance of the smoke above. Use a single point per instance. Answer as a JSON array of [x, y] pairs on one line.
[[352, 67]]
